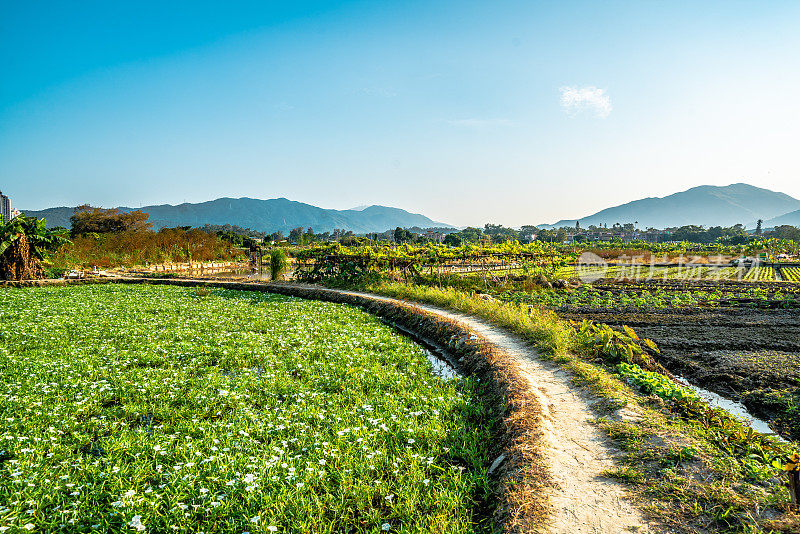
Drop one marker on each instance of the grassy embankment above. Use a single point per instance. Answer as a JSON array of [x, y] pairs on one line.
[[691, 468], [159, 409]]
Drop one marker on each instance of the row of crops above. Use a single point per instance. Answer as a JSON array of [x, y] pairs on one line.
[[791, 274], [761, 273], [588, 296]]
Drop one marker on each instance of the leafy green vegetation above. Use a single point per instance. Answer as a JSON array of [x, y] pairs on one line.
[[153, 408], [655, 383], [594, 297]]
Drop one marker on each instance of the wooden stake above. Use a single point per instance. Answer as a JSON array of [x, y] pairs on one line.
[[794, 486]]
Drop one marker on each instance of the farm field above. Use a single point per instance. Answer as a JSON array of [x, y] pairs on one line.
[[760, 273], [791, 274], [159, 409], [745, 354]]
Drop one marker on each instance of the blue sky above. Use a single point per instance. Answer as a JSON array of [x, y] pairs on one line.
[[469, 112]]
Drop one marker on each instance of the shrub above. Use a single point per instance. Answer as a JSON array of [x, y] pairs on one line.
[[277, 263]]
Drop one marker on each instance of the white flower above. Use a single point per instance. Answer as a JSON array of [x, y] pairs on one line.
[[386, 526], [128, 494], [272, 528], [223, 393], [117, 504], [426, 481], [29, 526], [410, 441], [136, 522], [389, 497], [255, 519]]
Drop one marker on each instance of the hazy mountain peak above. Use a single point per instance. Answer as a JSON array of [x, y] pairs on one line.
[[278, 214], [706, 205]]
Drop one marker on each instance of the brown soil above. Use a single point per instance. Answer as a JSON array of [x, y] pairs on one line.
[[741, 353]]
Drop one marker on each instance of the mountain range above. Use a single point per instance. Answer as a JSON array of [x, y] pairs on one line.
[[705, 205], [272, 215]]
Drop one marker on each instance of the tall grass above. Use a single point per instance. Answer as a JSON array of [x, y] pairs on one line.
[[542, 327], [126, 249]]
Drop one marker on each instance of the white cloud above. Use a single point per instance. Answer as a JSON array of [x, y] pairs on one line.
[[385, 92], [480, 123], [576, 99]]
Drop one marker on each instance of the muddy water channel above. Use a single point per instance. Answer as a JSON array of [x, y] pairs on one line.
[[750, 356]]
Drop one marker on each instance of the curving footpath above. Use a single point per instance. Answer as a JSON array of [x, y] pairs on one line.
[[576, 451]]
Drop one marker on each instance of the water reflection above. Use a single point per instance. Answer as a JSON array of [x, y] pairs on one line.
[[736, 408]]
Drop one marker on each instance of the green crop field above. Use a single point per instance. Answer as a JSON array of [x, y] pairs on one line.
[[761, 273], [165, 409], [791, 274]]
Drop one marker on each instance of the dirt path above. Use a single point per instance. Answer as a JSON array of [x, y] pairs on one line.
[[583, 501]]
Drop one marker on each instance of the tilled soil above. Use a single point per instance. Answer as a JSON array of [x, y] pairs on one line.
[[748, 355]]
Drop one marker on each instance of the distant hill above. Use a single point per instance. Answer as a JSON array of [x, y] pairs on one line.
[[791, 218], [272, 215], [705, 205]]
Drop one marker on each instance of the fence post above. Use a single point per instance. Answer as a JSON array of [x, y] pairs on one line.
[[792, 468]]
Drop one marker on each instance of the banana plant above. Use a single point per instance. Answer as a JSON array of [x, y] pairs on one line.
[[39, 238]]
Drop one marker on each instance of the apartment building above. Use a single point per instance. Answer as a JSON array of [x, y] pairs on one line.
[[5, 207]]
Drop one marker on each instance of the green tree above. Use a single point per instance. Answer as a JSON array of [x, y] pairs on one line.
[[401, 235], [296, 235], [471, 235], [454, 239], [93, 220]]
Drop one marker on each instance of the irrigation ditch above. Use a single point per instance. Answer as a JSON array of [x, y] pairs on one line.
[[549, 461]]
